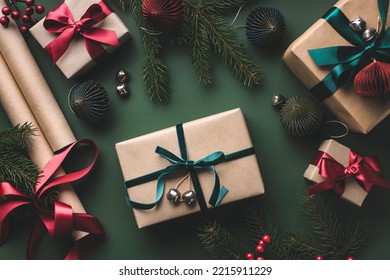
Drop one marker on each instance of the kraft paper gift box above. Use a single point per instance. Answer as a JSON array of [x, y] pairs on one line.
[[226, 132], [358, 113], [76, 59]]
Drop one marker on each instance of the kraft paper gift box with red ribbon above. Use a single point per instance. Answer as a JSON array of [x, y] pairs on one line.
[[328, 55], [337, 168], [77, 33], [215, 151]]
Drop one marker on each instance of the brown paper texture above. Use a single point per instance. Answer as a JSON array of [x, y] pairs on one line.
[[76, 59], [353, 192], [39, 151], [358, 113], [226, 132]]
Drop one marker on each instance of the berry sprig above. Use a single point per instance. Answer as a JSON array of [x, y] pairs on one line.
[[260, 248], [12, 10]]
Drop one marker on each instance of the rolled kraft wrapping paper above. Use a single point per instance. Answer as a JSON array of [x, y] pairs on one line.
[[48, 122]]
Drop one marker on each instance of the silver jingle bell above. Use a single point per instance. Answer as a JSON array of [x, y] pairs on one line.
[[173, 196], [189, 197], [358, 24], [122, 76], [278, 100], [123, 89], [369, 34]]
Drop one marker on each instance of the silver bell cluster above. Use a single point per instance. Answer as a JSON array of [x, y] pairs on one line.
[[122, 78], [188, 197], [359, 25]]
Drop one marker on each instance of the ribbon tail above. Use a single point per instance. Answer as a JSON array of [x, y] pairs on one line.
[[218, 192], [325, 186], [37, 233]]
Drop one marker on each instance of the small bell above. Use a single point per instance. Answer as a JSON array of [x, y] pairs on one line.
[[122, 76], [173, 196], [369, 34], [358, 24], [278, 100], [123, 89], [189, 197]]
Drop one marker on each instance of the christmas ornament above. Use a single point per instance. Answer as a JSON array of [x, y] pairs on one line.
[[188, 197], [266, 238], [358, 24], [163, 15], [122, 76], [278, 100], [123, 89], [173, 195], [264, 25], [260, 248], [373, 80], [369, 34], [15, 13], [249, 256], [88, 101], [301, 115]]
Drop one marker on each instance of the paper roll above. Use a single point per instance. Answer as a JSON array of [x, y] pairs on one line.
[[39, 151], [34, 86]]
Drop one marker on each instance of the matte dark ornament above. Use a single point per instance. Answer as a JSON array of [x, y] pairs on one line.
[[123, 89], [189, 197], [373, 80], [163, 15], [173, 195], [301, 115], [278, 100], [358, 24], [122, 76], [88, 101], [264, 26], [369, 34]]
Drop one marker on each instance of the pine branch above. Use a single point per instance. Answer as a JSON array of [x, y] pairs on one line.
[[232, 52], [302, 246], [218, 241], [16, 138], [355, 233], [222, 7]]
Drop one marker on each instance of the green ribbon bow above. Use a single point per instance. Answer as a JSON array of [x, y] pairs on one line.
[[182, 164], [347, 60]]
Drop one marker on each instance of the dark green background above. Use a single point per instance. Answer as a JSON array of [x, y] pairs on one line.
[[282, 158]]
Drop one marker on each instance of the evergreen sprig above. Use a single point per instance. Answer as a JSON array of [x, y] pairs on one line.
[[329, 238], [203, 28]]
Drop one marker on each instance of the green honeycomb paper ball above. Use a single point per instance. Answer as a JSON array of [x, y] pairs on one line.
[[301, 115]]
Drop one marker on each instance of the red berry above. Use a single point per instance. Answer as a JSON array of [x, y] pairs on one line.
[[26, 18], [15, 14], [4, 21], [350, 258], [23, 29], [260, 258], [6, 11], [249, 256], [319, 258], [29, 11], [40, 9], [261, 242], [260, 248], [34, 21], [30, 2], [266, 238]]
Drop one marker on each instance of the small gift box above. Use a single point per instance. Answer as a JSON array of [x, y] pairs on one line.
[[77, 33], [212, 157], [328, 55], [337, 168]]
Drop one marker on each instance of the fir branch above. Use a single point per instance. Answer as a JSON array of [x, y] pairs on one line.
[[232, 52], [218, 241], [222, 7], [302, 246], [355, 233], [16, 138]]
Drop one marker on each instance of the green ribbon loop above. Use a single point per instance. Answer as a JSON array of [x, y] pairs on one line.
[[182, 164], [348, 60]]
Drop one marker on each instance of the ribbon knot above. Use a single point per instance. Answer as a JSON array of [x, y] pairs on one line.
[[60, 21], [351, 171], [189, 165], [347, 60], [59, 221]]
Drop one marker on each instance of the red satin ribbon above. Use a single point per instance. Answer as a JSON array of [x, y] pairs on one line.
[[61, 21], [365, 170], [61, 220]]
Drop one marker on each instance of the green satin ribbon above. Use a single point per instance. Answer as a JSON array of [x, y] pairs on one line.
[[182, 164], [348, 60]]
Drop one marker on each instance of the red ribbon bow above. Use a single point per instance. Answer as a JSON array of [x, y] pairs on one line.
[[365, 170], [61, 220], [61, 21]]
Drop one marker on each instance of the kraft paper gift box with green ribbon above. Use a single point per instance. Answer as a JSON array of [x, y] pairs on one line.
[[337, 168], [326, 57], [216, 153], [78, 33]]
